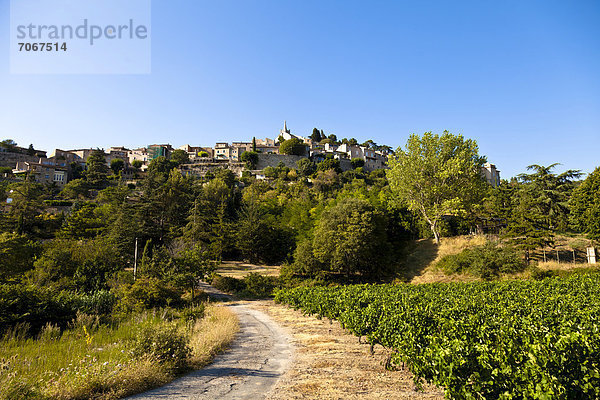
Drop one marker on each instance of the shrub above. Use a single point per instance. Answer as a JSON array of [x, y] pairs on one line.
[[258, 285], [192, 314], [540, 274], [487, 261], [148, 293], [164, 344], [58, 203], [36, 307], [228, 284]]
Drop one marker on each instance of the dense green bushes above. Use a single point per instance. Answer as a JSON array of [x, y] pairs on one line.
[[34, 307], [488, 261], [350, 238], [147, 293], [253, 285], [518, 339]]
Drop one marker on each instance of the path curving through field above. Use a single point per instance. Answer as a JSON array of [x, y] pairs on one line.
[[249, 369]]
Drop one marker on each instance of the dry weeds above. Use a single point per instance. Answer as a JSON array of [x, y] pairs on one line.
[[426, 254], [212, 334], [331, 364], [238, 269]]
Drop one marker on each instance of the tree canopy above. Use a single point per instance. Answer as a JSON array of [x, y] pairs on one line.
[[585, 205], [437, 175], [293, 146], [180, 157]]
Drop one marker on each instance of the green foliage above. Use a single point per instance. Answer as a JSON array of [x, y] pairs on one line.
[[316, 135], [357, 163], [488, 261], [523, 339], [259, 286], [250, 158], [253, 285], [96, 174], [349, 238], [117, 165], [27, 205], [76, 189], [180, 157], [203, 154], [84, 265], [160, 166], [86, 221], [585, 205], [8, 144], [329, 164], [437, 175], [17, 254], [227, 284], [534, 207], [260, 238], [306, 167], [35, 307], [164, 344], [293, 146], [137, 164], [147, 293]]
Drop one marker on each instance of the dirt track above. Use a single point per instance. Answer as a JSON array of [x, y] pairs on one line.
[[257, 358]]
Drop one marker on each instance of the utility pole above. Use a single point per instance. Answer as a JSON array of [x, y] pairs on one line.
[[135, 259]]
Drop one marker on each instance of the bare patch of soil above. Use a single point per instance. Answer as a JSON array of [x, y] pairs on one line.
[[330, 363]]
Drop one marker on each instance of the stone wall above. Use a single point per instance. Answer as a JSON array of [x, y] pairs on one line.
[[10, 159], [273, 160], [202, 168], [345, 164]]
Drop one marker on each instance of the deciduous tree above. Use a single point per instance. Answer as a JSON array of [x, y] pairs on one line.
[[437, 175]]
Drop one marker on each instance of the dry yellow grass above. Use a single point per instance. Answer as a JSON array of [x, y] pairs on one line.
[[134, 378], [330, 363], [454, 245], [213, 334], [238, 269], [105, 381], [565, 266], [425, 254]]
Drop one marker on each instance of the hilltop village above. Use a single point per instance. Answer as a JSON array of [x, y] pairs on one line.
[[252, 157]]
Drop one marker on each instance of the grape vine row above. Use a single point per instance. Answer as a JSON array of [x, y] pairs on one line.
[[486, 340]]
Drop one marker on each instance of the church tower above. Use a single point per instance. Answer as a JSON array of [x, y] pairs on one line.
[[285, 129]]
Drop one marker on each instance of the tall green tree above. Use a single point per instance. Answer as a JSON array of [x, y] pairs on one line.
[[117, 165], [548, 194], [351, 238], [316, 135], [97, 171], [585, 205], [250, 158], [261, 238], [26, 206], [17, 254], [180, 157], [293, 146], [437, 175]]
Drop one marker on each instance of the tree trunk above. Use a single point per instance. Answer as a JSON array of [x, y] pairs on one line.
[[436, 235]]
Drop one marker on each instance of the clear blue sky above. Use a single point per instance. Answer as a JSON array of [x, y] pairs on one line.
[[520, 77]]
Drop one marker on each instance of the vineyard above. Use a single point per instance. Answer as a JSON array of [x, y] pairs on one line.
[[512, 340]]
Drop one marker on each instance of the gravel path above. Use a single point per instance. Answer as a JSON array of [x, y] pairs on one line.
[[257, 358]]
